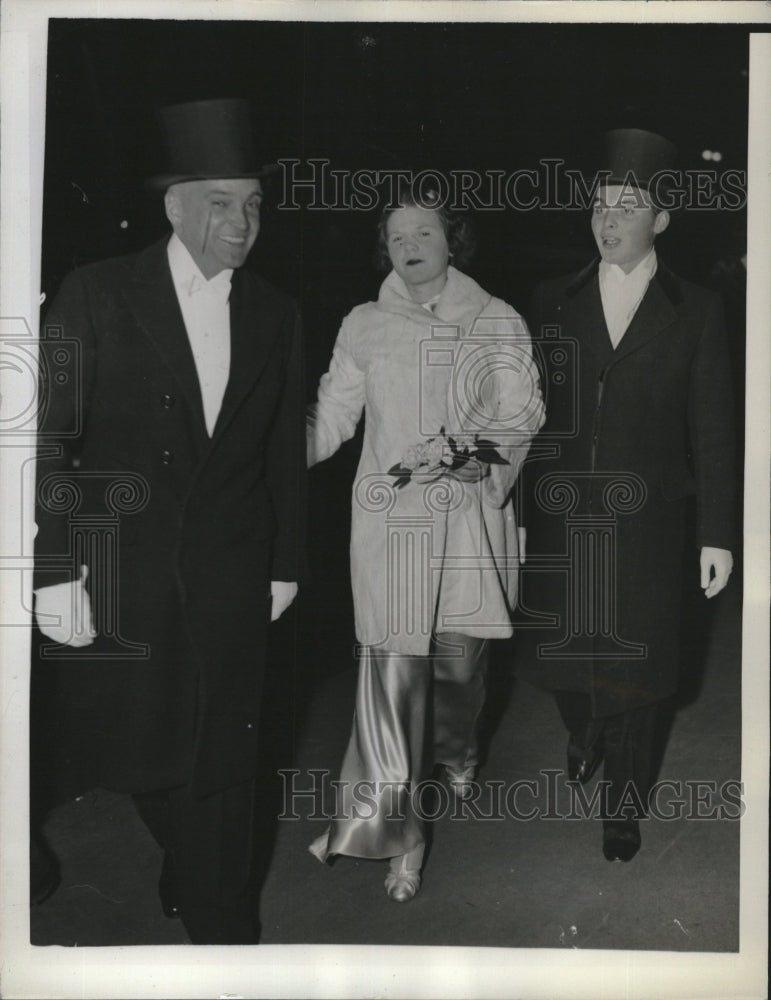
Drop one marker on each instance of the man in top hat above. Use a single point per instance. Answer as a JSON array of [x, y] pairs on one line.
[[178, 422], [647, 424]]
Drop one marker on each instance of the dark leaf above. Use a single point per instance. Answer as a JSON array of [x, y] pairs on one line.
[[491, 457]]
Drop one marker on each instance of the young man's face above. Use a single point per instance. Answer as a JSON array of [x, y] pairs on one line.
[[625, 225], [217, 220]]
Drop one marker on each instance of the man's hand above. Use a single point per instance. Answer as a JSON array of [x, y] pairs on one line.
[[716, 566], [283, 594], [70, 604], [522, 533]]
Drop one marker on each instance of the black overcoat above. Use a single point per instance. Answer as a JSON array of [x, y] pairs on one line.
[[181, 532], [631, 433]]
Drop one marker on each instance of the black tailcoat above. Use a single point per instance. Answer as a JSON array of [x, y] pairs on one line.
[[630, 434], [202, 524]]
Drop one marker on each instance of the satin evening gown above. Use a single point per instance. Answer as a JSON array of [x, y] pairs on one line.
[[412, 712]]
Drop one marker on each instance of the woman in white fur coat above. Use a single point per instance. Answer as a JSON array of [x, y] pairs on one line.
[[445, 373]]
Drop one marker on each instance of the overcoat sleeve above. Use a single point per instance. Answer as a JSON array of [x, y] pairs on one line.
[[337, 411], [711, 420], [66, 375], [285, 465]]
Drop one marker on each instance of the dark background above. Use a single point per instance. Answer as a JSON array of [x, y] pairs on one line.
[[385, 96]]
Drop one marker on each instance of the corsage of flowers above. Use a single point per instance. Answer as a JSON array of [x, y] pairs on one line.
[[443, 454]]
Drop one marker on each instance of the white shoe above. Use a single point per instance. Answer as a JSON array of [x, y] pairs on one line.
[[403, 879]]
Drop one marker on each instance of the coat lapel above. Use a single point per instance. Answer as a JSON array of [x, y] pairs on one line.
[[586, 315], [654, 314], [253, 330], [153, 301]]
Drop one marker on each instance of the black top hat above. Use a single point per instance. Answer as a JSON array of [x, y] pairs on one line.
[[635, 156], [207, 140]]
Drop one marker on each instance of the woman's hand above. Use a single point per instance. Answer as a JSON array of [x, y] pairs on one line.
[[429, 476], [471, 471]]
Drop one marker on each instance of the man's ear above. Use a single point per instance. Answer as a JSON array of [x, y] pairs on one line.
[[173, 207], [661, 221]]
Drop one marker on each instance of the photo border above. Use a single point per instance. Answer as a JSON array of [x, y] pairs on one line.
[[364, 971]]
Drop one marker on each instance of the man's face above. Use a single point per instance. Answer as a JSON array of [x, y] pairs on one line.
[[625, 225], [217, 220]]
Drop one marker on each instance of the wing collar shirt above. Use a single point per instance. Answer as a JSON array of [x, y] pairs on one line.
[[206, 313], [622, 293]]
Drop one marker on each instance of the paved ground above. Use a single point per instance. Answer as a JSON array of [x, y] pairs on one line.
[[495, 882]]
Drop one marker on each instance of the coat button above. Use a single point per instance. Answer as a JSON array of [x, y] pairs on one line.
[[167, 401], [167, 457]]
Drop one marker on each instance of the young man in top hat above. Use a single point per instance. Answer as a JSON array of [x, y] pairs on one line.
[[648, 425], [177, 420]]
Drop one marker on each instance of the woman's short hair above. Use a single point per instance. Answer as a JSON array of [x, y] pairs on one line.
[[458, 228]]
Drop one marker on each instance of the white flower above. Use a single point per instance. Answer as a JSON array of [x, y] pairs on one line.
[[464, 442], [411, 459], [435, 450]]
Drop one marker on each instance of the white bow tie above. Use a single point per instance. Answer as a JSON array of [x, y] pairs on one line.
[[219, 285]]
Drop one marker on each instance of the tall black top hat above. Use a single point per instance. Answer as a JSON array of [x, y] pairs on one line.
[[207, 140], [635, 156]]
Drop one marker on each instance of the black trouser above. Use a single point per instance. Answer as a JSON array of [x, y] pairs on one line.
[[209, 845], [627, 741]]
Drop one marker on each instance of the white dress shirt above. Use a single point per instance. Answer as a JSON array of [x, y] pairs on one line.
[[206, 313], [622, 293]]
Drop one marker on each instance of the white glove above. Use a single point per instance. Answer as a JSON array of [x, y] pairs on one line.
[[716, 566], [282, 595], [63, 612]]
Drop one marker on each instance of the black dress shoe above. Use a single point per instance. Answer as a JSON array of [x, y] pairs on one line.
[[167, 888], [620, 839], [582, 766], [44, 876]]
